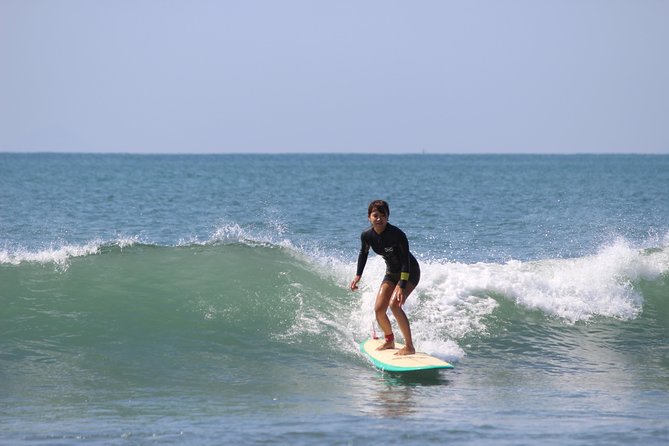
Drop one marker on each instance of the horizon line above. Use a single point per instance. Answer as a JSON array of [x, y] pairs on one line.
[[424, 152]]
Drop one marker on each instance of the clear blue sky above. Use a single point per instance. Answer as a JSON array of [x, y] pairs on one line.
[[539, 76]]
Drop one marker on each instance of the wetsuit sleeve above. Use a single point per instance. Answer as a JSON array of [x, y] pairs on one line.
[[362, 256], [405, 259]]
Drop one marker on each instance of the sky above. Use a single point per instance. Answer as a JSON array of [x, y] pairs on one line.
[[470, 76]]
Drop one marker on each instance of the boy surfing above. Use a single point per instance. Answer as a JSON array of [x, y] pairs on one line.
[[402, 273]]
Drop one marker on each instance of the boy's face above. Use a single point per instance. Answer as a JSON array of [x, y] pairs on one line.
[[379, 220]]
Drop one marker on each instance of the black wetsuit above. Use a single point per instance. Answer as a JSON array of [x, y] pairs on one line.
[[393, 245]]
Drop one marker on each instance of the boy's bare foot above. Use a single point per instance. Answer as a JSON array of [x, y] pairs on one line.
[[405, 351], [386, 346]]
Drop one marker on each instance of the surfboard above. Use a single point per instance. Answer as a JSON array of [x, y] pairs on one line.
[[387, 361]]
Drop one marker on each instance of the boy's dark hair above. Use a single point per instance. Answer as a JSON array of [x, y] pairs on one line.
[[378, 205]]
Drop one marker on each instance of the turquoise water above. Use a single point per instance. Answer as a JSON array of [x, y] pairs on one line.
[[203, 299]]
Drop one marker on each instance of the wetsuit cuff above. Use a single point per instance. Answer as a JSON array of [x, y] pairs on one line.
[[402, 284]]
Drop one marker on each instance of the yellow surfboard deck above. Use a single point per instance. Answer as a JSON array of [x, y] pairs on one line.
[[387, 361]]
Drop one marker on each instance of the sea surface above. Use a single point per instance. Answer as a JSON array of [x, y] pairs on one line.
[[203, 300]]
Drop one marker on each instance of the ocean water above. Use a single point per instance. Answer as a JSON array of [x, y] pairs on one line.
[[204, 300]]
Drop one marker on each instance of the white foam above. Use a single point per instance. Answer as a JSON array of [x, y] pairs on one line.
[[61, 255], [234, 233], [453, 299], [124, 242], [229, 233], [571, 289], [58, 255]]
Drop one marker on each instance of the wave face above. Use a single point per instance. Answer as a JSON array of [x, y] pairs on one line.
[[132, 308], [151, 303]]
